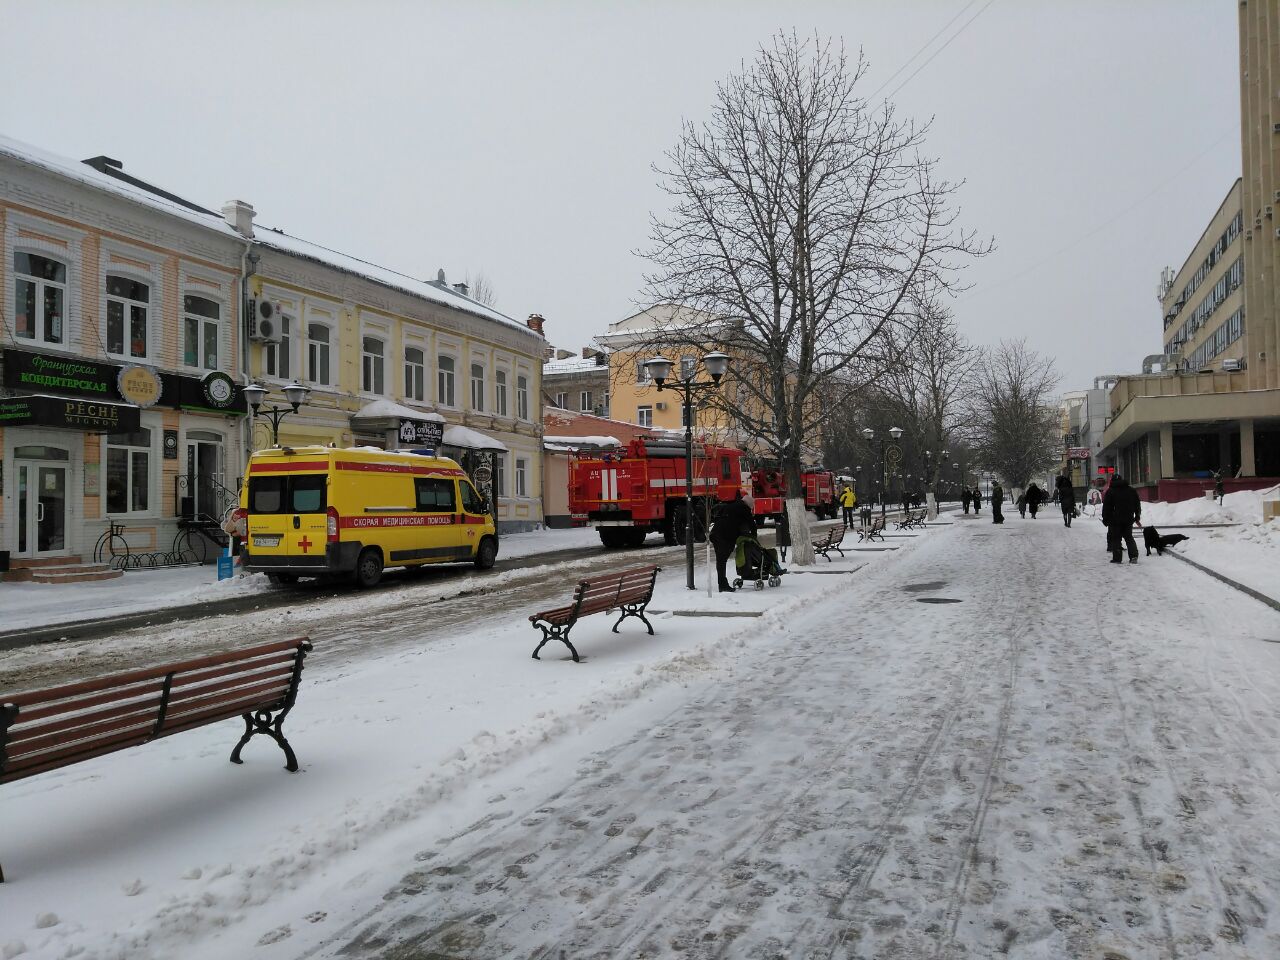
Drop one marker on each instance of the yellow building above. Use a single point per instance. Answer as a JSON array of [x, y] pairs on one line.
[[395, 362]]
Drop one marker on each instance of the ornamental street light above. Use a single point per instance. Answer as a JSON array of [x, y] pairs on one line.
[[295, 393], [659, 371], [869, 434]]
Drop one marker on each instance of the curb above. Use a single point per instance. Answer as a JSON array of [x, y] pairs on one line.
[[1262, 597]]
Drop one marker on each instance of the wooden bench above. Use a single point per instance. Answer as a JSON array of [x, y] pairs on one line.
[[911, 520], [870, 533], [831, 541], [629, 591], [48, 729]]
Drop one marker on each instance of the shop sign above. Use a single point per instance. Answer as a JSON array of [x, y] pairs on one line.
[[216, 392], [423, 433], [1077, 453], [171, 444], [88, 415], [42, 373], [140, 386]]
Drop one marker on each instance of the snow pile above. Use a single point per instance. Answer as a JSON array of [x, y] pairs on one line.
[[1244, 506]]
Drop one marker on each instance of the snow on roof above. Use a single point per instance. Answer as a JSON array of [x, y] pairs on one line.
[[573, 365], [458, 436], [389, 408], [287, 243], [83, 173], [583, 441]]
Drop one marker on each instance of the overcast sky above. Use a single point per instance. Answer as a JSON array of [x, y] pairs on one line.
[[1097, 137]]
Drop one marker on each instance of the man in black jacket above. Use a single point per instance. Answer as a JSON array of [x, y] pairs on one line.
[[732, 520], [1121, 509], [1066, 495]]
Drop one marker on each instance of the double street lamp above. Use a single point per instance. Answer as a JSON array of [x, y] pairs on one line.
[[659, 371], [295, 393], [869, 434]]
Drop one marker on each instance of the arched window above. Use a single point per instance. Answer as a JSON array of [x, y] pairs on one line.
[[500, 393], [444, 381], [40, 296], [373, 366], [414, 373], [318, 353], [128, 309], [201, 331], [477, 387]]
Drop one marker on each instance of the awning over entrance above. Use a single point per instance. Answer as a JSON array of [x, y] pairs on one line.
[[411, 427], [464, 438], [92, 416]]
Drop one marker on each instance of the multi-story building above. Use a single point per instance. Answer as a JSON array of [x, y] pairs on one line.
[[120, 353], [578, 383], [1214, 404], [396, 362]]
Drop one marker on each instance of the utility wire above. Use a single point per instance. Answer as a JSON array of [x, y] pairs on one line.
[[1106, 223], [950, 40], [928, 43]]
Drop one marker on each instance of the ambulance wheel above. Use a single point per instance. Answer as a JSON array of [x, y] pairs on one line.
[[486, 553], [368, 568], [282, 579]]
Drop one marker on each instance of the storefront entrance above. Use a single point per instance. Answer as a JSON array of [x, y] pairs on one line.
[[42, 484], [205, 461]]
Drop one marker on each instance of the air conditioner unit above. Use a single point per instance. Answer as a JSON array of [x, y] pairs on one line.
[[264, 321], [661, 405], [1232, 365]]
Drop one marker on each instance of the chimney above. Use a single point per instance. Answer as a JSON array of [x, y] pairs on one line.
[[535, 323], [563, 354], [239, 216], [461, 288], [588, 353], [548, 353]]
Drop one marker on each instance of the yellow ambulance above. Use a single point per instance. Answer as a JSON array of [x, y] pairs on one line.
[[322, 511]]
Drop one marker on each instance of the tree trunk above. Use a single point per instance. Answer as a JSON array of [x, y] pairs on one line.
[[797, 517]]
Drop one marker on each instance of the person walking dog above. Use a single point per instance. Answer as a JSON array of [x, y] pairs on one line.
[[1121, 509]]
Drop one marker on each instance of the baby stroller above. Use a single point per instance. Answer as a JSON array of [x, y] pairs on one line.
[[756, 563]]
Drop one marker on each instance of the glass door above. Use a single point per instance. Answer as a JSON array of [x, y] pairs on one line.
[[204, 469], [42, 509]]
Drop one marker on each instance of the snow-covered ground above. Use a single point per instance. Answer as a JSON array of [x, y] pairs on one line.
[[42, 604], [1034, 771], [1248, 552]]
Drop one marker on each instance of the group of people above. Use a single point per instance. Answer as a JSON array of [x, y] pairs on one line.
[[970, 498]]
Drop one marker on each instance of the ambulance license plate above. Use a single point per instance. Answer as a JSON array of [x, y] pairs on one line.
[[266, 541]]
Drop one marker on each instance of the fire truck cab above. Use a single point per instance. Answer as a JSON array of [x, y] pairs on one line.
[[641, 490]]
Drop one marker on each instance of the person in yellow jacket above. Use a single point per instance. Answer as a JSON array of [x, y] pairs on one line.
[[848, 500]]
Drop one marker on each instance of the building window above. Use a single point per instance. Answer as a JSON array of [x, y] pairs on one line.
[[415, 374], [562, 401], [128, 302], [642, 375], [605, 404], [584, 401], [522, 474], [644, 416], [318, 353], [444, 381], [522, 397], [477, 387], [373, 366], [500, 393], [277, 354], [40, 298], [129, 472], [200, 332], [499, 474]]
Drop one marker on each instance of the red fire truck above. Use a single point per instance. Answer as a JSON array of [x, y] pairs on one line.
[[769, 487], [628, 495]]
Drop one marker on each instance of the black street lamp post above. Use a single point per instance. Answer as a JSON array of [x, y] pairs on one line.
[[295, 393], [659, 370], [869, 434]]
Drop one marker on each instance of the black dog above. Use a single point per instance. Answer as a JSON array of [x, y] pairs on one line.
[[1151, 539]]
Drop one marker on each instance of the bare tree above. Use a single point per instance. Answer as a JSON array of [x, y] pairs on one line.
[[1016, 421], [481, 290], [805, 224]]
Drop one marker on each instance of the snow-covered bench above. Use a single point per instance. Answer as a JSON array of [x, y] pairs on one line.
[[630, 591], [48, 729], [830, 541]]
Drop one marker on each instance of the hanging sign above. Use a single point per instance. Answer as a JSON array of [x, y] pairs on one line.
[[423, 433], [140, 386]]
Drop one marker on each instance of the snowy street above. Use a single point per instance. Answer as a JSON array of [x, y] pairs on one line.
[[1073, 761]]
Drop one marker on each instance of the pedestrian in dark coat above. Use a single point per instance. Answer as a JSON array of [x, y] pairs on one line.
[[1121, 509], [966, 498], [782, 535], [997, 501], [1066, 495], [1035, 497], [732, 520], [977, 499], [1021, 504]]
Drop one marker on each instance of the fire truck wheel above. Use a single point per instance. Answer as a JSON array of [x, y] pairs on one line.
[[611, 538], [669, 532], [635, 537]]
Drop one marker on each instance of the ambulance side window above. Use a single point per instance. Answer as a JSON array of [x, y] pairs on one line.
[[434, 495], [471, 501]]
